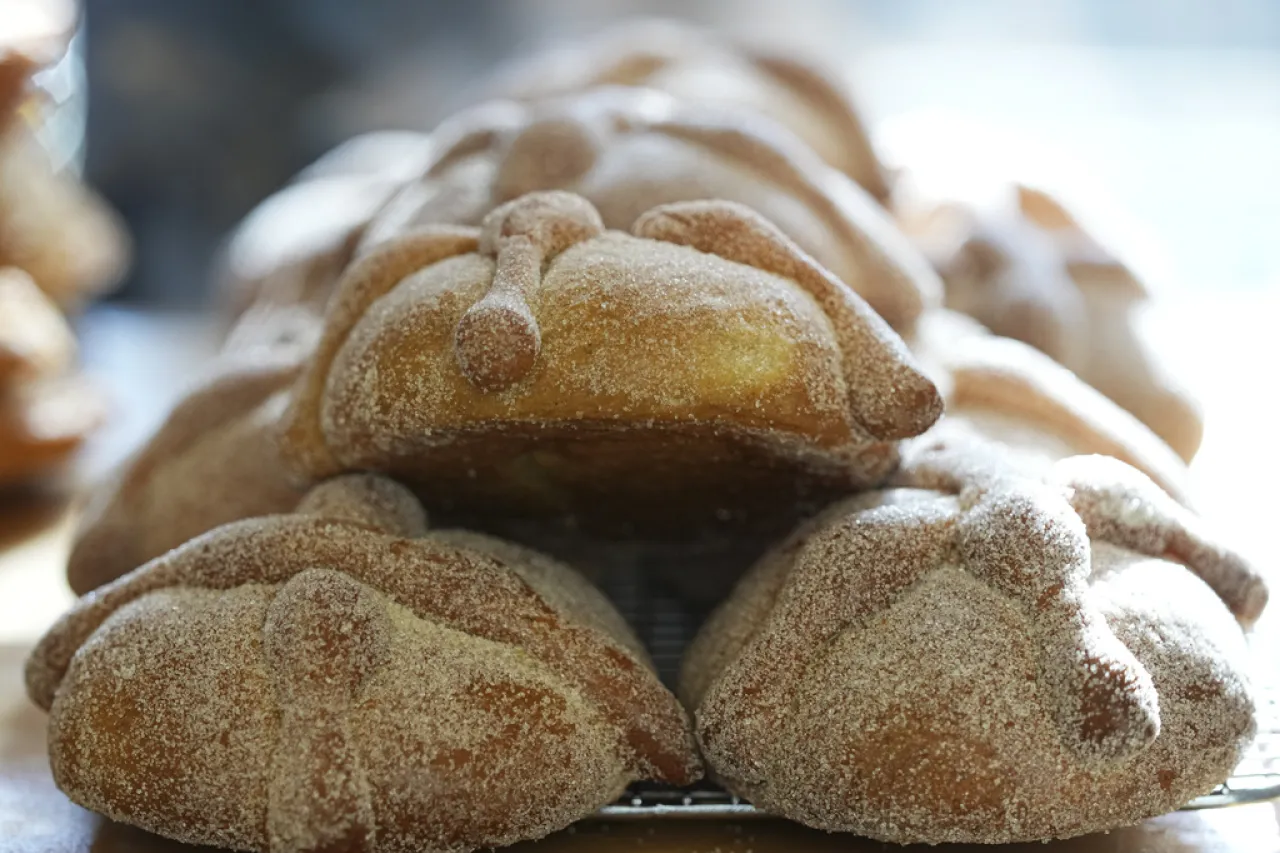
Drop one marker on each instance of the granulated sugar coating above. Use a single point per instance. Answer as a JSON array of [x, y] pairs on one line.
[[1116, 502], [627, 150], [214, 460], [997, 664], [316, 681], [543, 367]]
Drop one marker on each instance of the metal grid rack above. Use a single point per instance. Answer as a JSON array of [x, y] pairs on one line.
[[667, 621]]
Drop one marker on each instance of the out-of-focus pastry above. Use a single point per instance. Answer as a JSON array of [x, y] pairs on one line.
[[338, 678], [1025, 268], [51, 225], [628, 150], [1000, 389], [292, 247], [35, 340], [1118, 362], [214, 460], [699, 367], [46, 410], [1006, 660], [57, 243], [1007, 274], [54, 227], [706, 68]]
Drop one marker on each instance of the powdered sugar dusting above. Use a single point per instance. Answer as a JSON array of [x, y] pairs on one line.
[[629, 149]]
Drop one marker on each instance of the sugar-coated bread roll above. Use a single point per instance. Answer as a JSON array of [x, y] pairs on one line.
[[994, 660], [625, 150], [707, 69], [1003, 390], [46, 410], [339, 678], [215, 459], [1026, 268], [545, 365]]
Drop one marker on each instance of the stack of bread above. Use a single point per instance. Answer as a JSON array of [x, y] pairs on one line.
[[59, 244], [647, 293]]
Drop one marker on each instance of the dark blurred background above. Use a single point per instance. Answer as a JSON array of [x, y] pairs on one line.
[[199, 109]]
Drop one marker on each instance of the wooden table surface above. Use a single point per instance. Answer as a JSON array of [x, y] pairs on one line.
[[1235, 474]]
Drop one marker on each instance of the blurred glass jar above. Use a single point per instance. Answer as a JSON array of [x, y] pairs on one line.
[[52, 226], [41, 39]]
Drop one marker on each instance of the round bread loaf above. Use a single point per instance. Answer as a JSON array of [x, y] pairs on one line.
[[338, 678], [214, 460], [543, 365], [993, 659]]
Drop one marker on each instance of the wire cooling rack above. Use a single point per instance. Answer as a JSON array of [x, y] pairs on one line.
[[667, 620], [1256, 779]]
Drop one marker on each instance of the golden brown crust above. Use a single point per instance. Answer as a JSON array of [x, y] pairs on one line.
[[361, 285], [337, 635], [625, 150], [916, 666], [697, 66], [497, 340], [628, 150], [874, 357], [706, 339], [214, 460]]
